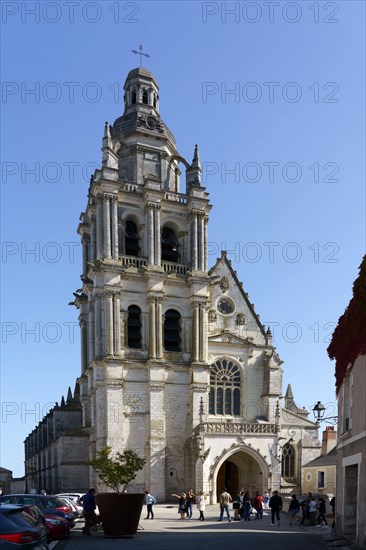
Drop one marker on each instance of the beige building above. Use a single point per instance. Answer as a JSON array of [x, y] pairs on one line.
[[348, 347], [319, 475], [175, 362]]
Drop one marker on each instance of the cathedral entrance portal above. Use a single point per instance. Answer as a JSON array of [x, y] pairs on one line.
[[228, 477], [240, 471]]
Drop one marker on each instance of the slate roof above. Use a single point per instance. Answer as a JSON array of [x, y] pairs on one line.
[[324, 460]]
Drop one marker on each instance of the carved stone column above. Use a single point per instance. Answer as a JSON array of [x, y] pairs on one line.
[[150, 235], [205, 243], [201, 242], [117, 324], [195, 331], [91, 333], [152, 324], [109, 322], [114, 228], [159, 328], [157, 231], [97, 326], [99, 229], [203, 333], [194, 228], [107, 227], [93, 237]]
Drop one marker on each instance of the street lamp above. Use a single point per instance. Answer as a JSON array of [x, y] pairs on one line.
[[319, 411]]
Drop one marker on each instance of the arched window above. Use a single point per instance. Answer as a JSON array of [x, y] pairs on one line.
[[172, 329], [131, 239], [133, 97], [134, 327], [288, 461], [169, 245], [154, 101], [224, 395], [145, 97]]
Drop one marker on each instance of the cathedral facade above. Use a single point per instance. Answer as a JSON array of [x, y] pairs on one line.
[[175, 363]]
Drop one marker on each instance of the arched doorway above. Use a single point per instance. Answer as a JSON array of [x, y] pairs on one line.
[[242, 470], [228, 477]]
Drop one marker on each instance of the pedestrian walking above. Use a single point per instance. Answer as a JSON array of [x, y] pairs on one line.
[[225, 499], [149, 500], [332, 504], [89, 506], [322, 512], [293, 509], [201, 505], [266, 498], [275, 503], [312, 511]]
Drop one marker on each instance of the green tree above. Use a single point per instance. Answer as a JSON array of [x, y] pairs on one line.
[[117, 472]]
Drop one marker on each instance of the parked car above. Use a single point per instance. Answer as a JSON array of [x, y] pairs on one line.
[[20, 530], [46, 503], [74, 497], [56, 527], [74, 507]]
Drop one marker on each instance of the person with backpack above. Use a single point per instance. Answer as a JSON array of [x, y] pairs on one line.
[[149, 500]]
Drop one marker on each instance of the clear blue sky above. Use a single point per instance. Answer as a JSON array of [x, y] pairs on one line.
[[291, 212]]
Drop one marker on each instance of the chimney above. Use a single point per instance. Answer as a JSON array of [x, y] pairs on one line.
[[329, 440]]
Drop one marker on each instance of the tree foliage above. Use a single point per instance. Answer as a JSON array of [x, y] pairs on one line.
[[117, 472], [349, 336]]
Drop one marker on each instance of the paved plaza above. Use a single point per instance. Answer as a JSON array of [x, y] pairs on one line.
[[168, 531]]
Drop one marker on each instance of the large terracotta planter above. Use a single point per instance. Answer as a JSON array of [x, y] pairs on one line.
[[120, 513]]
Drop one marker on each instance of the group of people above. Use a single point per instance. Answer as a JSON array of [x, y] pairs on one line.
[[313, 512], [186, 502], [244, 505]]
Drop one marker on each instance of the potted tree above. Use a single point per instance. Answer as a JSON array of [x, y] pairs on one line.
[[120, 511]]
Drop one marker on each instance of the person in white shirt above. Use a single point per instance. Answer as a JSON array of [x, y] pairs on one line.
[[201, 505], [149, 499]]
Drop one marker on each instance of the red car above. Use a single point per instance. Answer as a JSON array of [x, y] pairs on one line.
[[58, 527]]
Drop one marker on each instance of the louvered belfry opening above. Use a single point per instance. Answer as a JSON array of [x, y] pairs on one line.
[[172, 329], [131, 239], [134, 327], [169, 245]]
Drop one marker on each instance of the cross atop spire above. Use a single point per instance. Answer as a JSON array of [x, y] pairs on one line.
[[140, 53]]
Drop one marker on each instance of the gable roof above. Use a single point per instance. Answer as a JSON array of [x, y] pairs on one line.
[[239, 285]]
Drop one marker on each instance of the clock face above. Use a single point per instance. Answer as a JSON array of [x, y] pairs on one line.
[[225, 306]]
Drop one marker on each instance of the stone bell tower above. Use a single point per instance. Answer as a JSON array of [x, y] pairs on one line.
[[143, 303]]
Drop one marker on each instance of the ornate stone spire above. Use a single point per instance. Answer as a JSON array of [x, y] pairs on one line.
[[109, 157], [194, 171]]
